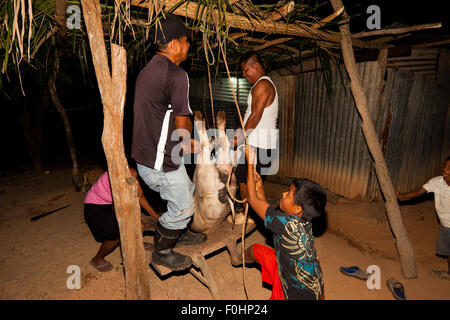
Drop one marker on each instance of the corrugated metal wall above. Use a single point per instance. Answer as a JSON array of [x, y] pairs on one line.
[[328, 144], [321, 136], [222, 97], [413, 112], [325, 142]]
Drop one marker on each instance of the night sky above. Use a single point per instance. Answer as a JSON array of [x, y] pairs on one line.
[[401, 11]]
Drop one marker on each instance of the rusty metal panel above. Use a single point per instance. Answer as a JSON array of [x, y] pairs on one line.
[[321, 137], [328, 144], [414, 145]]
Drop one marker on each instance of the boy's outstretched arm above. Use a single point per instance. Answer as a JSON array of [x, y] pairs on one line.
[[259, 205], [412, 194]]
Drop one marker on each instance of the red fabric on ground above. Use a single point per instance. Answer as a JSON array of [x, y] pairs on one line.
[[268, 261]]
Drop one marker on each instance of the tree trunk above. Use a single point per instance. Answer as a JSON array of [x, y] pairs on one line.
[[112, 86], [31, 118], [404, 247], [60, 15], [62, 112]]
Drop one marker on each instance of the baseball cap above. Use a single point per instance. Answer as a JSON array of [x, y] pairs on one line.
[[169, 29]]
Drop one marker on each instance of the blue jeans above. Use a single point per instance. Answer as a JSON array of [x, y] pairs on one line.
[[177, 189]]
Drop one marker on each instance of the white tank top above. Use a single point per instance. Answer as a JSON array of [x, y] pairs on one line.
[[265, 135]]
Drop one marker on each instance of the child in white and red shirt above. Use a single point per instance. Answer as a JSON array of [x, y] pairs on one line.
[[440, 186]]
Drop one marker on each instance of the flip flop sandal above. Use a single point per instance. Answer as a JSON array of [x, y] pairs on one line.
[[355, 271], [440, 274], [103, 267], [397, 289]]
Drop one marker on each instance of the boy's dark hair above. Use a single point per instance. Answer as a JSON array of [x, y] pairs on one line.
[[448, 159], [251, 54], [311, 197]]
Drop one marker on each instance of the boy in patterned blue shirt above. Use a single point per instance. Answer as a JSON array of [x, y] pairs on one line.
[[297, 267]]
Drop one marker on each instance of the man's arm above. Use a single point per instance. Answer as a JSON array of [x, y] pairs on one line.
[[262, 96], [184, 122], [259, 205], [412, 194]]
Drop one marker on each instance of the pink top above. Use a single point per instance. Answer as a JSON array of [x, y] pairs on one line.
[[100, 192]]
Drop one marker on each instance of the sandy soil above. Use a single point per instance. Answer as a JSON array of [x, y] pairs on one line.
[[34, 256]]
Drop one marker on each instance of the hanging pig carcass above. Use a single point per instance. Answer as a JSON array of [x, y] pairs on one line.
[[212, 202]]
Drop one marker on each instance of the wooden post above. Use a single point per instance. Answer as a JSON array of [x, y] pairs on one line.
[[112, 88], [404, 247]]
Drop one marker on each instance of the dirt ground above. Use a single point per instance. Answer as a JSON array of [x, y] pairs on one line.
[[34, 256]]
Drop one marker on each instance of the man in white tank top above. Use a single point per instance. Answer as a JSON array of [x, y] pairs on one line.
[[260, 119]]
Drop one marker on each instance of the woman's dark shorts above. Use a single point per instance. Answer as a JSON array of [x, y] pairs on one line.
[[101, 220]]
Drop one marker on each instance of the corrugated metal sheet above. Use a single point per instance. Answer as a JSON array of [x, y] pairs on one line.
[[328, 144], [416, 109], [321, 136], [422, 61], [223, 98]]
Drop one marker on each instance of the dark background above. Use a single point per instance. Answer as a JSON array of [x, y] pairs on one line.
[[84, 108]]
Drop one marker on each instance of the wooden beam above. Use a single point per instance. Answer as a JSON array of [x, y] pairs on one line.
[[412, 63], [432, 44], [413, 58], [233, 36], [397, 30], [382, 42], [327, 19], [251, 39], [281, 13], [273, 43], [189, 9], [303, 54]]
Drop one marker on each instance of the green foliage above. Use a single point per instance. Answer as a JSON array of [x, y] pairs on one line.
[[29, 41]]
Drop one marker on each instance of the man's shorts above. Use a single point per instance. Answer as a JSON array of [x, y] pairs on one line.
[[242, 168], [101, 220], [443, 242]]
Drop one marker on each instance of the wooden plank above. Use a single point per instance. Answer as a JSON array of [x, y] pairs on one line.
[[413, 58], [200, 259], [217, 238]]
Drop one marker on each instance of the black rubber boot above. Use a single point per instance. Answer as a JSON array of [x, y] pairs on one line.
[[163, 254], [188, 237]]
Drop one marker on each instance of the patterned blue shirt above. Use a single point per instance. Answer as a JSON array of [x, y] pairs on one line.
[[298, 267]]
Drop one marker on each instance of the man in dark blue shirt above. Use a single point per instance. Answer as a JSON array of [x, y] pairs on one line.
[[161, 117]]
